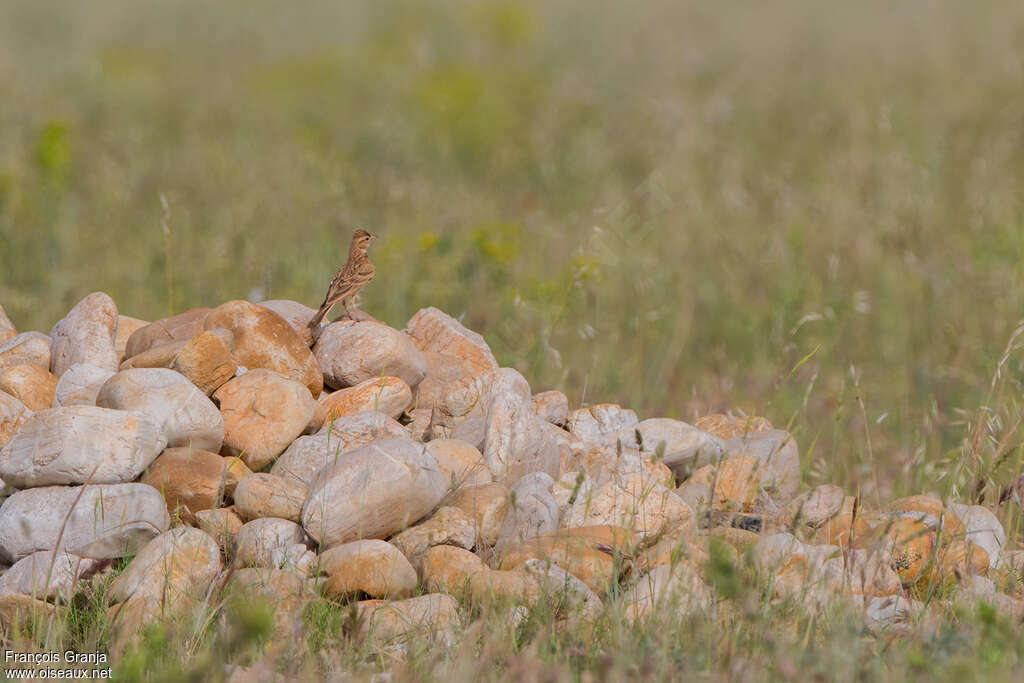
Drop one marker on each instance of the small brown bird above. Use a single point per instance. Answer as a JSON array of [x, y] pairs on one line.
[[352, 277]]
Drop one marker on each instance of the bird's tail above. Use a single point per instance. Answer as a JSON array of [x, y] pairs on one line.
[[314, 322]]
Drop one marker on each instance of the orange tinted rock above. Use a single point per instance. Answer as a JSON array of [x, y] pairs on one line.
[[447, 568], [126, 327], [913, 547], [221, 524], [189, 479], [266, 495], [736, 483], [962, 559], [660, 471], [726, 427], [159, 356], [296, 314], [861, 572], [500, 585], [462, 463], [444, 373], [844, 530], [672, 549], [27, 347], [929, 505], [448, 526], [582, 551], [235, 471], [263, 413], [434, 330], [487, 505], [206, 360], [30, 384], [19, 609], [263, 339], [13, 415], [551, 406], [373, 567], [176, 328], [388, 395]]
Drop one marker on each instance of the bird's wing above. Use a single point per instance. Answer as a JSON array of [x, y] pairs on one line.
[[336, 284], [363, 271], [345, 290]]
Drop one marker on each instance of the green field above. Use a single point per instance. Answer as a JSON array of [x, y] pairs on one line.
[[808, 211]]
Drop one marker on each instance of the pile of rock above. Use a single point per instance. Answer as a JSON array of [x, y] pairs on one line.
[[227, 449]]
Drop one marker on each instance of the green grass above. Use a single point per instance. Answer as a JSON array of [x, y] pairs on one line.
[[808, 211], [744, 636]]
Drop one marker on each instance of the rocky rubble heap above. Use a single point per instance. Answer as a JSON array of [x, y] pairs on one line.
[[226, 449]]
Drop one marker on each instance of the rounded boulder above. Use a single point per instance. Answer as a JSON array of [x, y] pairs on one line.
[[79, 385], [372, 492], [27, 347], [267, 495], [263, 339], [185, 415], [352, 352], [190, 479], [30, 384], [388, 395], [85, 335], [97, 521], [78, 444], [263, 413], [373, 567]]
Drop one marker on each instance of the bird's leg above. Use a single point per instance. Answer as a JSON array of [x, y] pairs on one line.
[[344, 302]]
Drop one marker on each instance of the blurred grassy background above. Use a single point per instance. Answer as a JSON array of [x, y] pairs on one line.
[[665, 204]]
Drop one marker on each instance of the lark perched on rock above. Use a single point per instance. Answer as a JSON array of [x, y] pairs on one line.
[[352, 277]]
